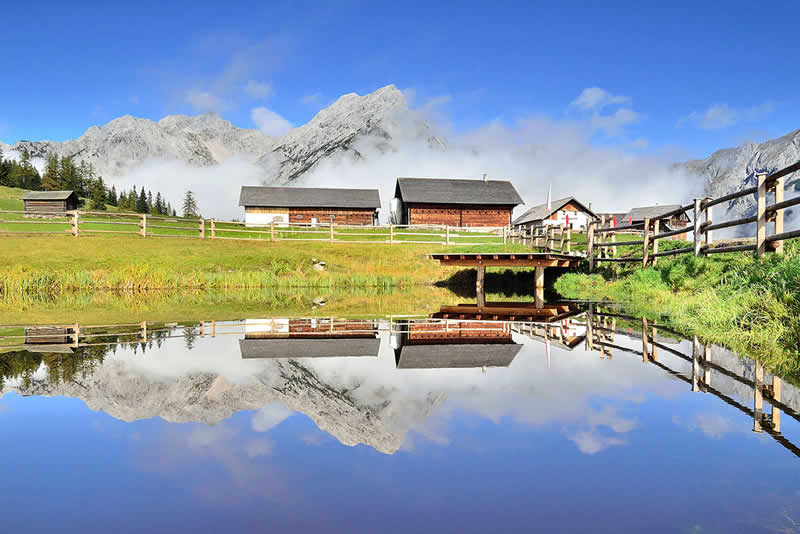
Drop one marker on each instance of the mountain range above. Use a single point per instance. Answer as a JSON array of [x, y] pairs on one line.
[[383, 117], [379, 121]]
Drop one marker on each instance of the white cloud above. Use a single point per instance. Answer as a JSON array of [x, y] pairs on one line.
[[258, 90], [270, 122], [719, 116], [270, 416], [202, 101], [589, 442], [596, 98], [613, 124]]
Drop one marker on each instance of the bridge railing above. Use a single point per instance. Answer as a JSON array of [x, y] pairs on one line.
[[545, 238], [700, 212]]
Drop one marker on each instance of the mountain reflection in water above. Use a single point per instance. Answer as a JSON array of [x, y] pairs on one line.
[[538, 375]]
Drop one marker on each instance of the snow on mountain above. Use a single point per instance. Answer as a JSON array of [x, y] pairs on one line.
[[733, 169], [205, 140]]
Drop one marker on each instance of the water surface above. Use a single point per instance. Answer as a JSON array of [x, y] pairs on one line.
[[462, 422]]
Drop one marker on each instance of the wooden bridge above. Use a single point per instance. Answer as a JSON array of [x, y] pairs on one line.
[[480, 261]]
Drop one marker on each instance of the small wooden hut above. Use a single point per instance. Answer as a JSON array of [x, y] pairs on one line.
[[50, 202]]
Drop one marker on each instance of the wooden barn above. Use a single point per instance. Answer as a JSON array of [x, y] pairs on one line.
[[637, 216], [455, 345], [309, 338], [50, 202], [563, 212], [453, 202], [265, 205]]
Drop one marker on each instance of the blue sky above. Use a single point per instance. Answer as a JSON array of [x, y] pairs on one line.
[[693, 75]]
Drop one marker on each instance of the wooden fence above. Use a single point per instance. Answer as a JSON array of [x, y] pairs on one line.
[[77, 223], [547, 238], [648, 234]]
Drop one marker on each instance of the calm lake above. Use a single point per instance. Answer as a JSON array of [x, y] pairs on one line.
[[565, 418]]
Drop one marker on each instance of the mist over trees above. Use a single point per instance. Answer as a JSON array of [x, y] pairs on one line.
[[63, 174]]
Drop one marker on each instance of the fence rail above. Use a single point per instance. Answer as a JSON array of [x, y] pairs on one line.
[[79, 222], [601, 249]]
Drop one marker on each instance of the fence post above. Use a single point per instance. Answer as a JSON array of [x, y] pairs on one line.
[[613, 240], [272, 230], [761, 214], [331, 230], [74, 223], [590, 245], [202, 228], [569, 240], [646, 243], [143, 225], [391, 234], [758, 395], [213, 229], [561, 244], [504, 235], [698, 236], [709, 210], [656, 227], [447, 235], [777, 246]]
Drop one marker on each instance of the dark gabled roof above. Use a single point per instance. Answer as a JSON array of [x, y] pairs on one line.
[[650, 212], [48, 195], [309, 197], [308, 348], [457, 191], [456, 356], [538, 213]]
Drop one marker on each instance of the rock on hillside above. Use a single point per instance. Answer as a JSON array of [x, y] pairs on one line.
[[733, 169], [125, 394], [377, 120]]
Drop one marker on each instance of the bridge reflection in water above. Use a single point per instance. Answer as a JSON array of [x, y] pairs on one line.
[[483, 335]]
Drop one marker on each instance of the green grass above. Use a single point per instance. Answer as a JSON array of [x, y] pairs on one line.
[[746, 303], [106, 307], [50, 264]]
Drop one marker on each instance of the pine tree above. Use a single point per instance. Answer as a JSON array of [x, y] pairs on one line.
[[98, 195], [159, 206], [150, 204], [51, 180], [141, 202], [112, 195], [190, 205]]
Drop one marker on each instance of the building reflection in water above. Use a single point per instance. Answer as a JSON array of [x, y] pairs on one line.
[[460, 336]]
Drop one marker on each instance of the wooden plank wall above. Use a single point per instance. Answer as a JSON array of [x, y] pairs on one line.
[[459, 215], [460, 330], [44, 206], [340, 216]]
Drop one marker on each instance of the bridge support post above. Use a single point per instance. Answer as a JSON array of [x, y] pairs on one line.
[[645, 342], [646, 243]]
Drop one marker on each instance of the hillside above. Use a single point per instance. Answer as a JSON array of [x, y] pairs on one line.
[[733, 169]]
